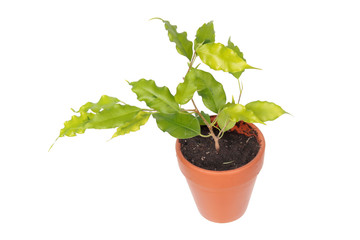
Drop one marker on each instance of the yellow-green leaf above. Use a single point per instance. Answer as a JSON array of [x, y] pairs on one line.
[[183, 45], [265, 111], [219, 57], [211, 91], [178, 125], [185, 90], [76, 125], [105, 102], [232, 46], [113, 117], [239, 53], [133, 125], [205, 34], [158, 98], [232, 113]]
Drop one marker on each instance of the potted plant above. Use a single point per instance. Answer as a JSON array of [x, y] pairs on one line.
[[220, 155]]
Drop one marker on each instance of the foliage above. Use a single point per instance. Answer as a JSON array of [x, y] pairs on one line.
[[167, 109]]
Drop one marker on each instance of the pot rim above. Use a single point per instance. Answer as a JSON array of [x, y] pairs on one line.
[[254, 161]]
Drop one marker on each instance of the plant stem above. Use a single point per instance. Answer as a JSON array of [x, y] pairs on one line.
[[196, 110], [191, 62], [241, 89], [148, 110], [221, 133], [216, 138], [122, 102]]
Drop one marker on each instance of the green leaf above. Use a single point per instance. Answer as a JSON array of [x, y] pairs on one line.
[[239, 53], [107, 115], [224, 122], [133, 125], [113, 117], [232, 46], [76, 125], [237, 74], [185, 90], [211, 91], [265, 111], [219, 57], [178, 125], [158, 98], [205, 115], [232, 113], [232, 99], [105, 102], [183, 45], [205, 34]]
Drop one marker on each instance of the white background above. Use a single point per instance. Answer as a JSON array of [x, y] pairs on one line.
[[57, 55]]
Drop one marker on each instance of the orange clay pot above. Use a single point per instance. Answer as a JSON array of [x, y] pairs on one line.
[[223, 196]]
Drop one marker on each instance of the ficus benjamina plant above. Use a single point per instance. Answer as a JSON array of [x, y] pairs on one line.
[[167, 109]]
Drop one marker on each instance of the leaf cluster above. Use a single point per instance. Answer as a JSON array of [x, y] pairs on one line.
[[166, 108]]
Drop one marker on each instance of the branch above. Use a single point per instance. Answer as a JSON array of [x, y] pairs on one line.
[[216, 139]]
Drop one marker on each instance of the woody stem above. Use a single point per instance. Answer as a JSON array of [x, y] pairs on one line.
[[216, 138], [196, 110]]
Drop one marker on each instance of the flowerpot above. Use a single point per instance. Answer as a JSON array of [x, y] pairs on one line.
[[223, 196]]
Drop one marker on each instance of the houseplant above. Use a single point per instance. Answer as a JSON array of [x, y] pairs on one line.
[[220, 178]]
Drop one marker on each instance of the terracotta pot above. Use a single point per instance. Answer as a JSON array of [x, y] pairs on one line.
[[223, 196]]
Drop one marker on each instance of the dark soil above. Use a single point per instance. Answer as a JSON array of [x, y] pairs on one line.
[[236, 150]]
